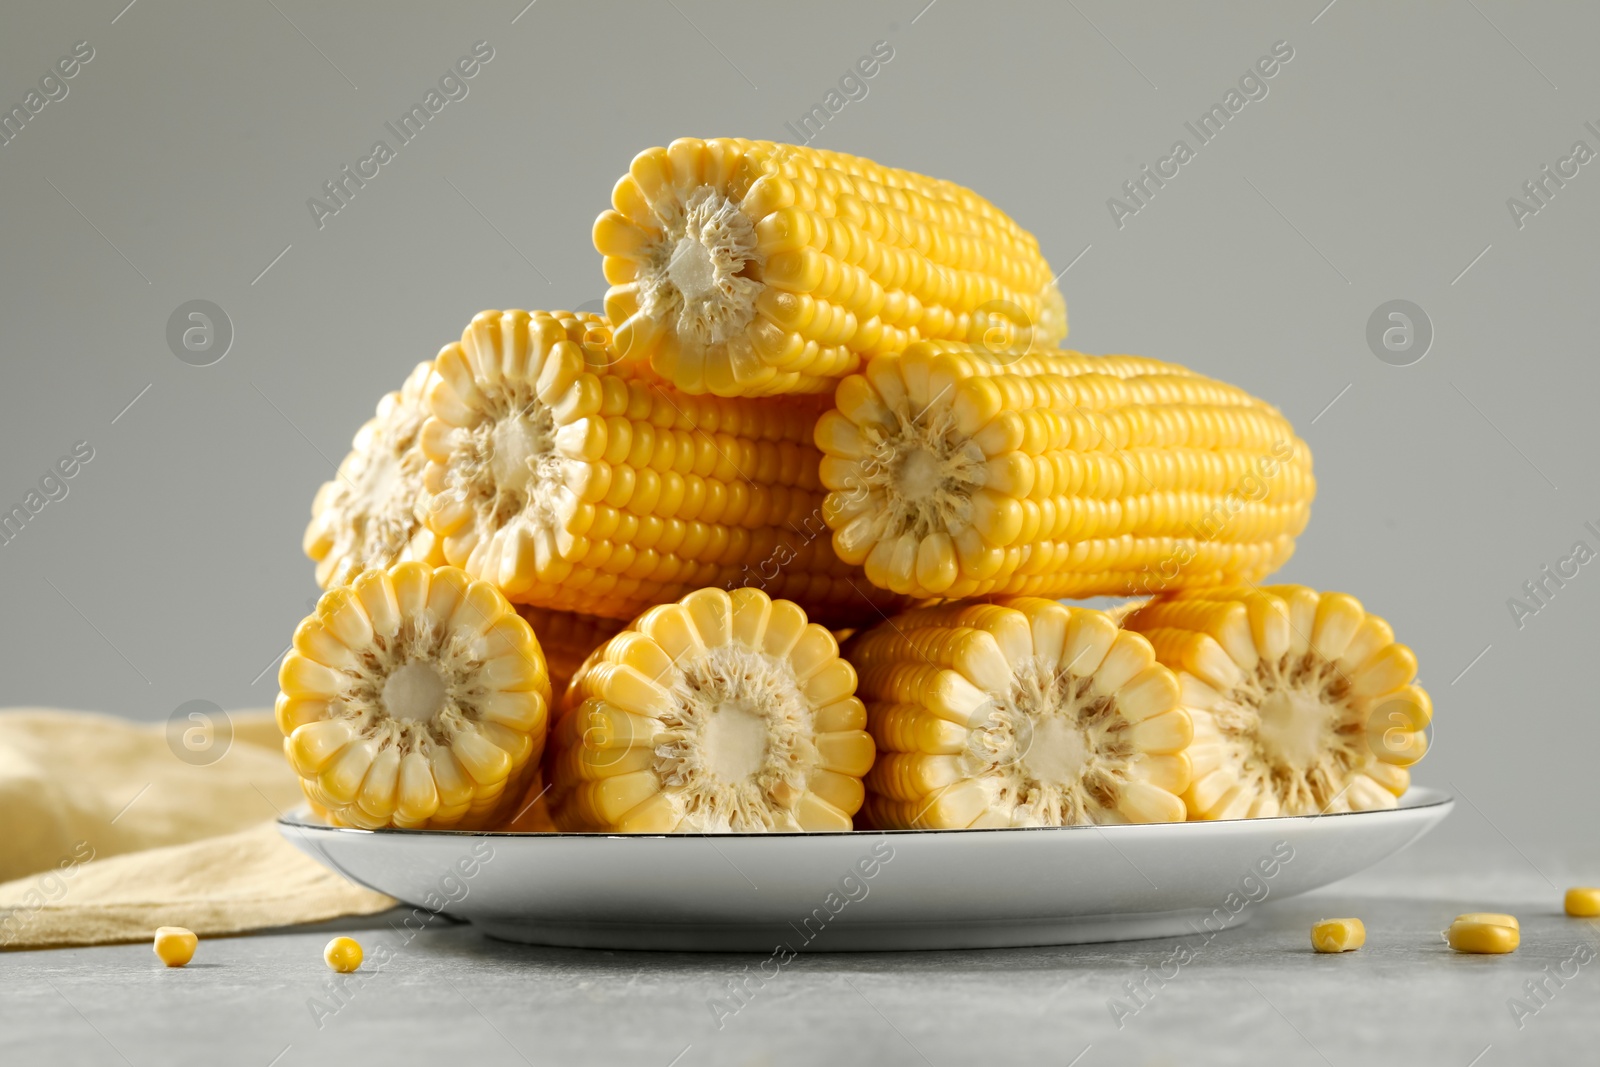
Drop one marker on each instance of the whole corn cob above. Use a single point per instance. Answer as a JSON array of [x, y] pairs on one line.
[[574, 484], [414, 697], [958, 471], [1302, 701], [367, 516], [1023, 712], [719, 713], [566, 638], [747, 268]]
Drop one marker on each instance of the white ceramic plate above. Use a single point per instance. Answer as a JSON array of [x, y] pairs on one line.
[[867, 890]]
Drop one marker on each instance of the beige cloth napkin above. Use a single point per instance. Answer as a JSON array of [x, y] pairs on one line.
[[108, 830]]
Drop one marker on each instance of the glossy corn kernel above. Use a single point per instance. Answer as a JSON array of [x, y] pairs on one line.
[[1469, 935], [1023, 712], [1338, 935], [1303, 703], [955, 471], [416, 698], [567, 638], [1583, 901], [367, 515], [571, 485], [343, 954], [747, 268], [722, 712], [175, 945]]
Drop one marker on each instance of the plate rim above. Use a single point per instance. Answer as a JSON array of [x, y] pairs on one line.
[[1426, 797]]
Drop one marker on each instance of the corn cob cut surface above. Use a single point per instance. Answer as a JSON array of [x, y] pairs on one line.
[[748, 268], [577, 485], [368, 516], [414, 697], [957, 471], [1303, 703], [1022, 712], [567, 638], [723, 712]]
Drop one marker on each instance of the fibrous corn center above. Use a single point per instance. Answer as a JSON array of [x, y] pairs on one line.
[[508, 467], [1294, 731], [927, 473], [382, 515], [1058, 752], [698, 275], [375, 502], [415, 689], [738, 741]]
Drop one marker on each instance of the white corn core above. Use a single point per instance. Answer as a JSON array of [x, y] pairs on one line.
[[1290, 730], [920, 474], [926, 472], [692, 270], [507, 467], [371, 512], [739, 744], [735, 740], [1294, 726], [1057, 754], [415, 691], [382, 476], [517, 442], [698, 277], [414, 688]]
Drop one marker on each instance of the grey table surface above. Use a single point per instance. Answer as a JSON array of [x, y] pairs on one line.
[[1256, 994]]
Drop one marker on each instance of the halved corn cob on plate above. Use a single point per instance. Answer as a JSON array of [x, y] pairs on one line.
[[867, 890]]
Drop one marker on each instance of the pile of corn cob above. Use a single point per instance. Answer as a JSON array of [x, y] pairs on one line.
[[579, 567]]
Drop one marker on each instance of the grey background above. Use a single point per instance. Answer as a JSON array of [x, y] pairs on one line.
[[1377, 168]]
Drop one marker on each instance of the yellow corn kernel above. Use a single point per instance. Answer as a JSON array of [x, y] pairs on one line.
[[175, 945], [1303, 704], [722, 712], [414, 698], [343, 954], [1583, 901], [1338, 935], [567, 638], [572, 484], [1022, 712], [1467, 935], [367, 515], [956, 472], [747, 268]]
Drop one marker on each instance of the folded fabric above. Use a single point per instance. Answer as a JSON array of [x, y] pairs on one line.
[[110, 828], [248, 880]]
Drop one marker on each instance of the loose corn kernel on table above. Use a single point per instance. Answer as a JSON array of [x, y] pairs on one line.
[[1258, 994]]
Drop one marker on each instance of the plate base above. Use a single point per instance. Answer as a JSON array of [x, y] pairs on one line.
[[854, 937]]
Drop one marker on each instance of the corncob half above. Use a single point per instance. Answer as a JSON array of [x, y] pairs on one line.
[[367, 516], [719, 713], [1023, 712], [958, 471], [414, 697], [1303, 703], [748, 268], [575, 484]]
